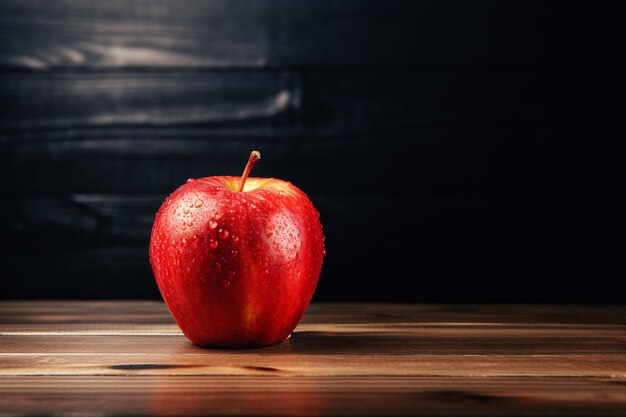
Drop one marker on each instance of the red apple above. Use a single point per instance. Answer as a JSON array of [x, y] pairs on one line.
[[237, 259]]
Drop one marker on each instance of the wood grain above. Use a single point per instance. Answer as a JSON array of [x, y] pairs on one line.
[[130, 358], [311, 396], [299, 362], [223, 34], [134, 312], [152, 160], [158, 100], [337, 102]]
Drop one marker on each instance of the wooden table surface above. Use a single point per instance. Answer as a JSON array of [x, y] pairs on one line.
[[129, 358]]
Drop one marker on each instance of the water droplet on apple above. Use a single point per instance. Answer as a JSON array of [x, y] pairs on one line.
[[222, 233], [184, 242], [234, 253], [212, 224], [213, 243], [226, 283], [218, 265], [198, 203], [235, 239], [190, 180], [324, 252], [186, 210], [183, 227], [252, 206], [190, 223], [267, 272], [281, 192]]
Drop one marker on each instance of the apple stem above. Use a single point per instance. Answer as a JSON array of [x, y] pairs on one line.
[[254, 156]]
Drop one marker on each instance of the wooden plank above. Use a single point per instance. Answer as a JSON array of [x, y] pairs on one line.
[[223, 34], [54, 313], [332, 101], [228, 395], [480, 159], [36, 102], [385, 326], [87, 308], [93, 312], [294, 363], [339, 343]]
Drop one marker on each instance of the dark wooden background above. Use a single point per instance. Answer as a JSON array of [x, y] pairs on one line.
[[438, 139]]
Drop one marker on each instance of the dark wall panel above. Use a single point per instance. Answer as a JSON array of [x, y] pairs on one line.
[[440, 141]]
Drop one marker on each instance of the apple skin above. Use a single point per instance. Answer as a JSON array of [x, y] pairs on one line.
[[237, 269]]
